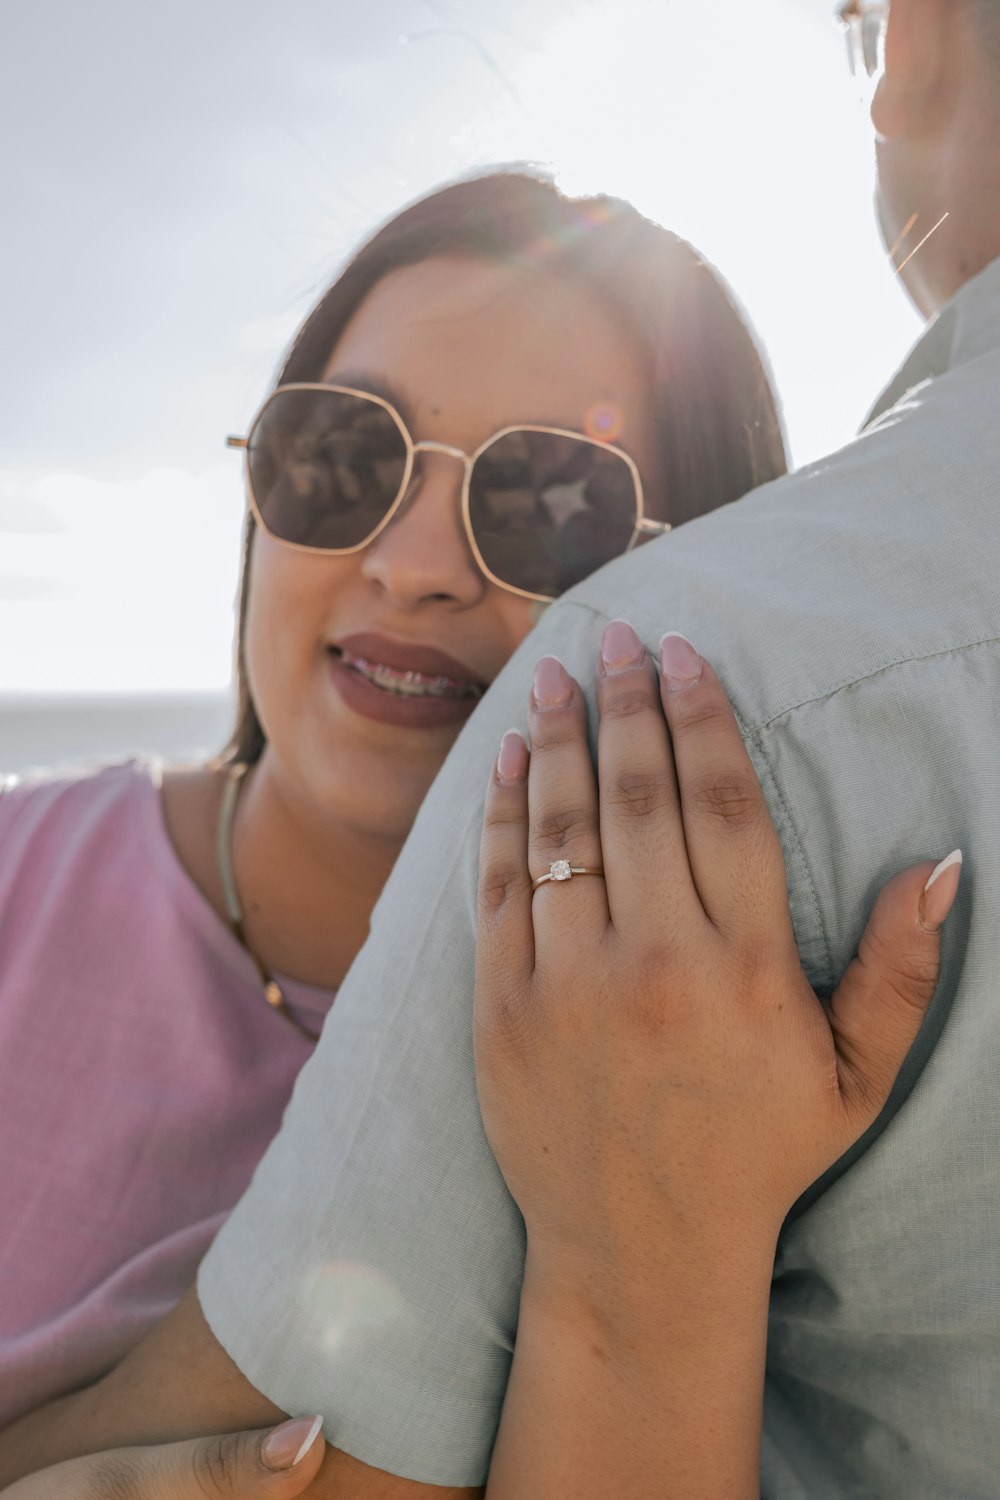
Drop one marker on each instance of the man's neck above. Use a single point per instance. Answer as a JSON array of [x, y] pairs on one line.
[[963, 223]]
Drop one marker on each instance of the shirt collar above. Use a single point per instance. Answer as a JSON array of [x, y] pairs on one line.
[[965, 328]]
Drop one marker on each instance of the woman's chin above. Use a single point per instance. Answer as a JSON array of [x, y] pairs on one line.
[[375, 793], [351, 772]]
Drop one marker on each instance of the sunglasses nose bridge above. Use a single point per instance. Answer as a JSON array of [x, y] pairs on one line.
[[429, 446], [414, 486]]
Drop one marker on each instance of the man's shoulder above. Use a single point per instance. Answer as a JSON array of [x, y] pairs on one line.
[[866, 559]]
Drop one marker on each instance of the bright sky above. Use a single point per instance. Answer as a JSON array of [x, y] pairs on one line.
[[180, 181]]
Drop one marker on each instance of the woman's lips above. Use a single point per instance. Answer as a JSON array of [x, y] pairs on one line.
[[408, 656], [403, 683]]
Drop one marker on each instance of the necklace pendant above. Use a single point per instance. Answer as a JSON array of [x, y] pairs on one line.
[[224, 856]]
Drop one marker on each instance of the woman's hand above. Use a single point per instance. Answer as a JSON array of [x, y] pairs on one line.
[[272, 1465], [654, 1068]]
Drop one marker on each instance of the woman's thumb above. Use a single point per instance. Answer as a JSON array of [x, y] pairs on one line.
[[880, 1004], [278, 1464], [286, 1448]]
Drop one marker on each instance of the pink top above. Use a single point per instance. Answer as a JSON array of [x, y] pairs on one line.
[[141, 1075]]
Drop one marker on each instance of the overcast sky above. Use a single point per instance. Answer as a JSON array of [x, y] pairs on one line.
[[177, 183]]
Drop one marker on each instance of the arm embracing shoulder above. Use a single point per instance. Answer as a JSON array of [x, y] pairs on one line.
[[180, 1382]]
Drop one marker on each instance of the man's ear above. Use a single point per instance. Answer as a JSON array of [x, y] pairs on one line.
[[914, 91]]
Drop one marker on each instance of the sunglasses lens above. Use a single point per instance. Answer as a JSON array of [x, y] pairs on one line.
[[547, 510], [325, 467]]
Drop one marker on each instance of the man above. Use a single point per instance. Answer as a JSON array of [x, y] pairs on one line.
[[372, 1272]]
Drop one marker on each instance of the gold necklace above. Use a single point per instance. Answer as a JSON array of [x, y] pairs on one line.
[[273, 993]]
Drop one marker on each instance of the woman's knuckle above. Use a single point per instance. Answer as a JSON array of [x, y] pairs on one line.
[[215, 1466], [553, 732], [915, 977], [626, 702], [731, 799], [113, 1476], [499, 815], [698, 710], [910, 974], [499, 884], [560, 827], [638, 793]]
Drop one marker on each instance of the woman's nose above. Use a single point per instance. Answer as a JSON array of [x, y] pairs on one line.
[[424, 553]]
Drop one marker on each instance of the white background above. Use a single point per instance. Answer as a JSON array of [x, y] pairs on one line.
[[179, 182]]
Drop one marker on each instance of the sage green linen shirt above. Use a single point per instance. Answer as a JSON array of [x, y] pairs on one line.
[[372, 1271]]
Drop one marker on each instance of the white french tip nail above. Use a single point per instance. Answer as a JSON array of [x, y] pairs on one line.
[[308, 1441], [954, 858]]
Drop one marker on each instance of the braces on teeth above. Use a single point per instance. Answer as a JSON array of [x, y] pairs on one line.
[[412, 684]]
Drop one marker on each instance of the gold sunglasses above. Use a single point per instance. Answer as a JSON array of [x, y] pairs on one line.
[[328, 467]]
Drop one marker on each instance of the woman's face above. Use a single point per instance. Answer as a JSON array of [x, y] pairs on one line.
[[464, 348]]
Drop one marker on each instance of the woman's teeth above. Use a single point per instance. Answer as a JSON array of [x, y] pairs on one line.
[[410, 684]]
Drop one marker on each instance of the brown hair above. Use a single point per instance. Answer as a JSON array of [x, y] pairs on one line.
[[716, 412]]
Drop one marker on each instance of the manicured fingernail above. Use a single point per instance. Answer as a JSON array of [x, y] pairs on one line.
[[679, 661], [939, 893], [512, 762], [289, 1443], [552, 686], [621, 648]]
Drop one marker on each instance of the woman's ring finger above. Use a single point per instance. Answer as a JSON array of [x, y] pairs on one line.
[[561, 870]]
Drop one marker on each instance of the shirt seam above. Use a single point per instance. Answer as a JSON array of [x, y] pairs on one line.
[[755, 736], [793, 838], [755, 728], [889, 666]]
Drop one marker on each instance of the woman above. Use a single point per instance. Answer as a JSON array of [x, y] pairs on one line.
[[171, 942]]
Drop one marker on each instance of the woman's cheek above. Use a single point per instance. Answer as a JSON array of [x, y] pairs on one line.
[[517, 618], [284, 626]]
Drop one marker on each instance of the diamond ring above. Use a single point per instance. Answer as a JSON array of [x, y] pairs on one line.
[[561, 869]]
